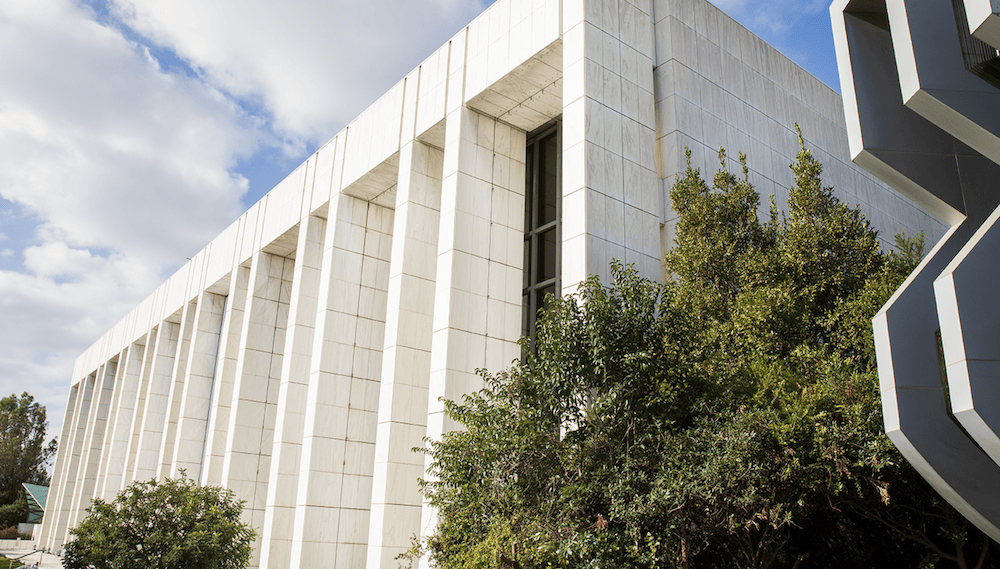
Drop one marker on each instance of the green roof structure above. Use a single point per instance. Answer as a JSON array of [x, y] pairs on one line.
[[36, 501]]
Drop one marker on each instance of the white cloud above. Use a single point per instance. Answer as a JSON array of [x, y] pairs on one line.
[[131, 166], [311, 68], [129, 170], [47, 323], [98, 141], [55, 258]]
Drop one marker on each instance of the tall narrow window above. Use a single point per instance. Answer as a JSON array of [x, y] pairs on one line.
[[542, 223]]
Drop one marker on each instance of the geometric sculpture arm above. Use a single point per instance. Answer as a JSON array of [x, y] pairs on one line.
[[914, 402]]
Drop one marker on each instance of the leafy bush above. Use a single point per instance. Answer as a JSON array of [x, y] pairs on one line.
[[13, 533], [173, 524], [727, 418], [15, 513]]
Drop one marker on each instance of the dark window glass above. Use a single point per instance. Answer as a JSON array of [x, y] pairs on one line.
[[529, 190], [547, 255], [526, 273], [542, 233], [544, 295], [980, 57], [525, 320]]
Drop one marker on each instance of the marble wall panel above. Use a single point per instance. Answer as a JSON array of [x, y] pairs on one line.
[[704, 69], [116, 451], [197, 387], [176, 391], [469, 271], [247, 459], [61, 509], [342, 399], [93, 442], [395, 502], [282, 490], [155, 412]]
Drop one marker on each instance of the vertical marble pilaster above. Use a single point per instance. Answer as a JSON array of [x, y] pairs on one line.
[[74, 444], [406, 358], [177, 388], [338, 445], [154, 415], [247, 462], [611, 194], [480, 252], [93, 443], [196, 397], [57, 487], [145, 373], [116, 448], [225, 373], [279, 515], [112, 420]]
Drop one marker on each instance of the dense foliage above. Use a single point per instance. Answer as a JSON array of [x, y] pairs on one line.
[[729, 418], [14, 513], [24, 454], [172, 524]]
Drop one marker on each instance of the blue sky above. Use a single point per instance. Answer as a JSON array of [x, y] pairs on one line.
[[133, 131]]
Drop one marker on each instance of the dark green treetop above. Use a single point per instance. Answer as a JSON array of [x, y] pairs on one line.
[[24, 453]]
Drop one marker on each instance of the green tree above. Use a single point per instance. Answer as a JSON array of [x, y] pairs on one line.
[[24, 454], [728, 418], [172, 524], [14, 513]]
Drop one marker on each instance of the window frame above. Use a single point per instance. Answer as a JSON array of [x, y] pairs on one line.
[[532, 285]]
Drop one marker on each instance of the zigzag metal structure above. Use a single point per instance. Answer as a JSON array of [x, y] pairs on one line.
[[921, 100]]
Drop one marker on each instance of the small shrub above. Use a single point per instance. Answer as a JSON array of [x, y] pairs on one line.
[[12, 533], [9, 533], [14, 513]]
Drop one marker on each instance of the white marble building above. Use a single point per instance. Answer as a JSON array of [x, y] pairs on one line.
[[302, 354]]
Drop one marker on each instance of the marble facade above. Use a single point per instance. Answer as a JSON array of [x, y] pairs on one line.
[[302, 354]]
